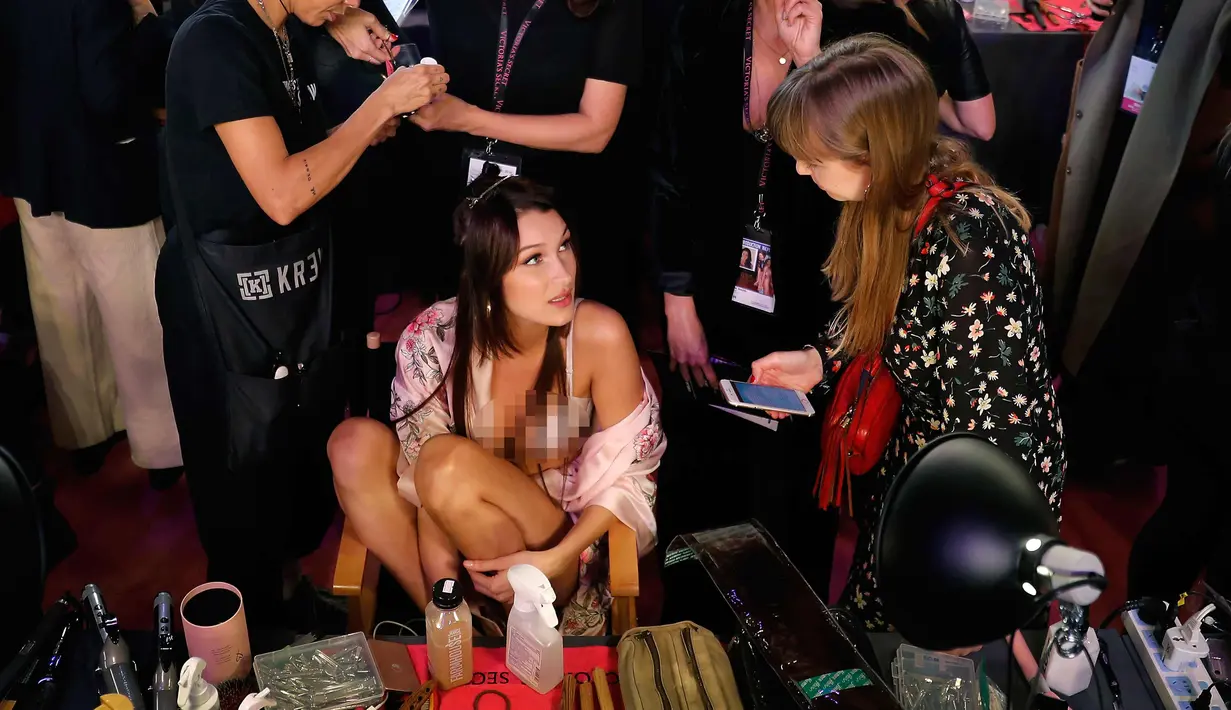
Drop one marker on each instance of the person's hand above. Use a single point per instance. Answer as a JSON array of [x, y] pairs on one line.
[[387, 131], [140, 9], [690, 353], [1100, 8], [963, 652], [799, 27], [409, 88], [445, 113], [550, 562], [362, 36], [800, 370]]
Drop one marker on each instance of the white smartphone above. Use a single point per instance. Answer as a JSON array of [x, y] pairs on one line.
[[776, 399]]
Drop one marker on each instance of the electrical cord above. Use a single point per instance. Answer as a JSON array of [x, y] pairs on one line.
[[1207, 695], [1126, 607], [402, 626], [1104, 660], [1094, 674]]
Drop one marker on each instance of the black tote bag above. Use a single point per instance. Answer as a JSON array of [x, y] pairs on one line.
[[269, 310]]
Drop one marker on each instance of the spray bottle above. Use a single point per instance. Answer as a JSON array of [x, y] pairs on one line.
[[194, 692], [535, 650], [257, 701]]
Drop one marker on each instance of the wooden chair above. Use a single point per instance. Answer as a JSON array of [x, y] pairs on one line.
[[357, 571]]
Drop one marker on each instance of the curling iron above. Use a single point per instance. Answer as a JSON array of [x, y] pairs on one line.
[[39, 658], [116, 672], [166, 676]]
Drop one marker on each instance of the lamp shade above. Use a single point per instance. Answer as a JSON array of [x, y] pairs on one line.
[[953, 530]]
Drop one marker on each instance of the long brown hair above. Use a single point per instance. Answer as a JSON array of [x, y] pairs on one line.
[[870, 101], [485, 226]]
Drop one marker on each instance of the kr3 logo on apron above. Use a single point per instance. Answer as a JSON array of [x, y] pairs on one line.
[[260, 285]]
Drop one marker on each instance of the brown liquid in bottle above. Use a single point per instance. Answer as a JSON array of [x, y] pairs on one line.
[[450, 632]]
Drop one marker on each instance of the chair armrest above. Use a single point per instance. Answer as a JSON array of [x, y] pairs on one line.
[[348, 573], [623, 560]]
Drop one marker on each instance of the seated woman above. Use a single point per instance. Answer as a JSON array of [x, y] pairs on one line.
[[934, 270], [526, 424]]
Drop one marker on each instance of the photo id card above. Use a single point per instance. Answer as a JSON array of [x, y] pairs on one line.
[[477, 162], [754, 287]]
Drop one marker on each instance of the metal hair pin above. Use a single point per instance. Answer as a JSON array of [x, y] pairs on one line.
[[472, 201]]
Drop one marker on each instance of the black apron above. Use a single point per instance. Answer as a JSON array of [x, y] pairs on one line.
[[258, 330]]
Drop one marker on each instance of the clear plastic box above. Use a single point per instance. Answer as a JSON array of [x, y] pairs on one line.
[[928, 680], [356, 667], [996, 11]]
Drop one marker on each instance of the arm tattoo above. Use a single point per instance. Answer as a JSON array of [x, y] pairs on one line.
[[308, 170]]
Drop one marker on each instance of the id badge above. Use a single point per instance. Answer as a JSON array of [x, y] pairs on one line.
[[1137, 84], [754, 287], [477, 162]]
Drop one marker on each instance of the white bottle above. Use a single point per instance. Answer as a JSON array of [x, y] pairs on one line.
[[535, 650], [195, 693]]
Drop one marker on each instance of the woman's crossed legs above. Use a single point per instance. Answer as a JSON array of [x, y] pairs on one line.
[[473, 505]]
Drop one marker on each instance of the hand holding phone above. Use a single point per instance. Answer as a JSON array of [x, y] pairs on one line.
[[775, 400]]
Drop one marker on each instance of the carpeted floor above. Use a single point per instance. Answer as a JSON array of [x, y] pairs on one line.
[[135, 542]]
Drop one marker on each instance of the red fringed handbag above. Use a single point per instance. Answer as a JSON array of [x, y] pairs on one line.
[[865, 406]]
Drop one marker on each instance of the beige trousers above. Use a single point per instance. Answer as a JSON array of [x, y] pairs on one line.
[[99, 338]]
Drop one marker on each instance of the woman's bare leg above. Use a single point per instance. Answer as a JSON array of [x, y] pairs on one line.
[[438, 554], [364, 454], [488, 507]]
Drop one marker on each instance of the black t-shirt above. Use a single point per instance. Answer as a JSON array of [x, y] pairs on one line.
[[559, 52], [708, 170], [948, 48], [225, 65]]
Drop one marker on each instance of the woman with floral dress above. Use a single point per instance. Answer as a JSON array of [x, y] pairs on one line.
[[934, 270]]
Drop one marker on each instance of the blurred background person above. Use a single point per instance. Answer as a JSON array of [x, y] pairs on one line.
[[1130, 240], [551, 115], [246, 286], [88, 79]]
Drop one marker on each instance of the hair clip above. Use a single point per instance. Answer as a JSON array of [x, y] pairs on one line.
[[472, 201]]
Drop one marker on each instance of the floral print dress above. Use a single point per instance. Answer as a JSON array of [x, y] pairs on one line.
[[968, 353]]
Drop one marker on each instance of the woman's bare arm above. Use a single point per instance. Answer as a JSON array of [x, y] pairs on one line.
[[973, 118], [285, 185], [586, 131]]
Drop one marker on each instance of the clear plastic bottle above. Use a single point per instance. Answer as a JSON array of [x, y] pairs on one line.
[[450, 632], [535, 651]]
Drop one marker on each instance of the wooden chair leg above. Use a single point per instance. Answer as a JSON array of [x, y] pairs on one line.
[[355, 577], [624, 583], [623, 615]]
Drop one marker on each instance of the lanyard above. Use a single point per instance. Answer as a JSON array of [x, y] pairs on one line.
[[504, 62], [761, 134]]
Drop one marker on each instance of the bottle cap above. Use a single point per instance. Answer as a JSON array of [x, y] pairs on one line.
[[447, 594], [373, 341]]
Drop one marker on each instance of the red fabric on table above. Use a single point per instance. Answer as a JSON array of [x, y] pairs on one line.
[[490, 673], [1023, 19]]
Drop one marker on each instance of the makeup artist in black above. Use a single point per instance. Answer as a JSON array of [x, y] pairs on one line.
[[539, 87], [725, 190], [245, 282]]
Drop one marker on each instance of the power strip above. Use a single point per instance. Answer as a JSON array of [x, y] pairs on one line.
[[1177, 689]]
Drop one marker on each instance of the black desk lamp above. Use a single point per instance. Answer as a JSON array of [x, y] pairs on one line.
[[968, 552]]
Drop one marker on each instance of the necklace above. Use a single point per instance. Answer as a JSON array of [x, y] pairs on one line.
[[291, 84], [781, 59]]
